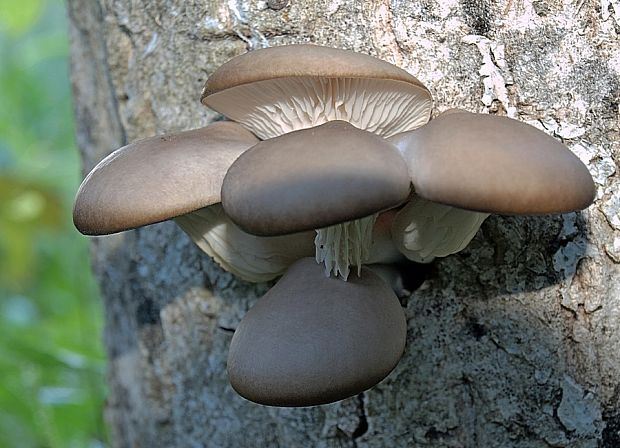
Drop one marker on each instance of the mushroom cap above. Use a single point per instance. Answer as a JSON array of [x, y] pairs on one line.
[[158, 178], [313, 340], [494, 164], [293, 61], [313, 178], [276, 90]]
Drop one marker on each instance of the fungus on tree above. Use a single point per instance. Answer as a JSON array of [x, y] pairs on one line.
[[331, 155]]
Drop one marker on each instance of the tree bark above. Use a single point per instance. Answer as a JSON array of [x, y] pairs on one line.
[[513, 342]]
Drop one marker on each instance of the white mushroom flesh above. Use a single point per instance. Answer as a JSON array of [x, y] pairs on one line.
[[383, 249], [344, 245], [252, 258], [274, 107], [423, 230]]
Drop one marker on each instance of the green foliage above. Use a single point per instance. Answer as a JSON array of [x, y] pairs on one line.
[[20, 16], [51, 355]]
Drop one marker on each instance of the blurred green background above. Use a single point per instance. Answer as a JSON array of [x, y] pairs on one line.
[[51, 356]]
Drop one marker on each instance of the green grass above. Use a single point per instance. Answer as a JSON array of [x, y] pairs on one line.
[[51, 355]]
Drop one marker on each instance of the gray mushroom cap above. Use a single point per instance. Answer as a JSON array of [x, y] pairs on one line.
[[312, 339], [158, 178], [494, 164], [295, 61], [314, 178]]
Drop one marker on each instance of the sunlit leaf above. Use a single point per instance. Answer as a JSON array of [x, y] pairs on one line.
[[25, 202], [17, 16], [26, 210]]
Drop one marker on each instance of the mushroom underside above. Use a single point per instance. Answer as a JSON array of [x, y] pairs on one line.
[[419, 231], [423, 230], [274, 107], [254, 259]]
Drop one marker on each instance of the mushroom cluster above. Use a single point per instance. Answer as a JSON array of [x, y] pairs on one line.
[[330, 163]]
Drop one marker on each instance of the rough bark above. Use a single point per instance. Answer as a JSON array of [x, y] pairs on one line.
[[514, 342]]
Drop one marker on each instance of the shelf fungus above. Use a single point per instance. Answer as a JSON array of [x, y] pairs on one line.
[[329, 167]]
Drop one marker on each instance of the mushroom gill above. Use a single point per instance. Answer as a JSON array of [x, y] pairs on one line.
[[343, 245], [274, 107], [276, 90]]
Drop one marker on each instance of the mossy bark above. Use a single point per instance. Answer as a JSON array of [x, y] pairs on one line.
[[514, 342]]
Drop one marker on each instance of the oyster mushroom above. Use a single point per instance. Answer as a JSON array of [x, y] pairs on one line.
[[169, 176], [310, 179], [313, 339], [373, 184], [158, 178], [464, 166], [494, 164], [273, 91]]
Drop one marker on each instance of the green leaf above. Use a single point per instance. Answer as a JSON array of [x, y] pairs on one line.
[[18, 16], [52, 361]]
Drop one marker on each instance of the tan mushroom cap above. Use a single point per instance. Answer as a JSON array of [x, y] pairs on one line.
[[314, 178], [276, 90], [313, 340], [494, 164], [290, 61], [158, 178]]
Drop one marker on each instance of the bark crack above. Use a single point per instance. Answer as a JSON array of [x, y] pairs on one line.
[[362, 426]]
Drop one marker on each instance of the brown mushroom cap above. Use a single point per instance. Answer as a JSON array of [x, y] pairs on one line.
[[280, 89], [494, 164], [158, 178], [293, 61], [313, 178], [312, 339]]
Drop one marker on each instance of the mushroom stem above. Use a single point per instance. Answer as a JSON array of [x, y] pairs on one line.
[[345, 244]]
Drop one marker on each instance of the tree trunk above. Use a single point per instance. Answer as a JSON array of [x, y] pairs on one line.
[[513, 342]]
